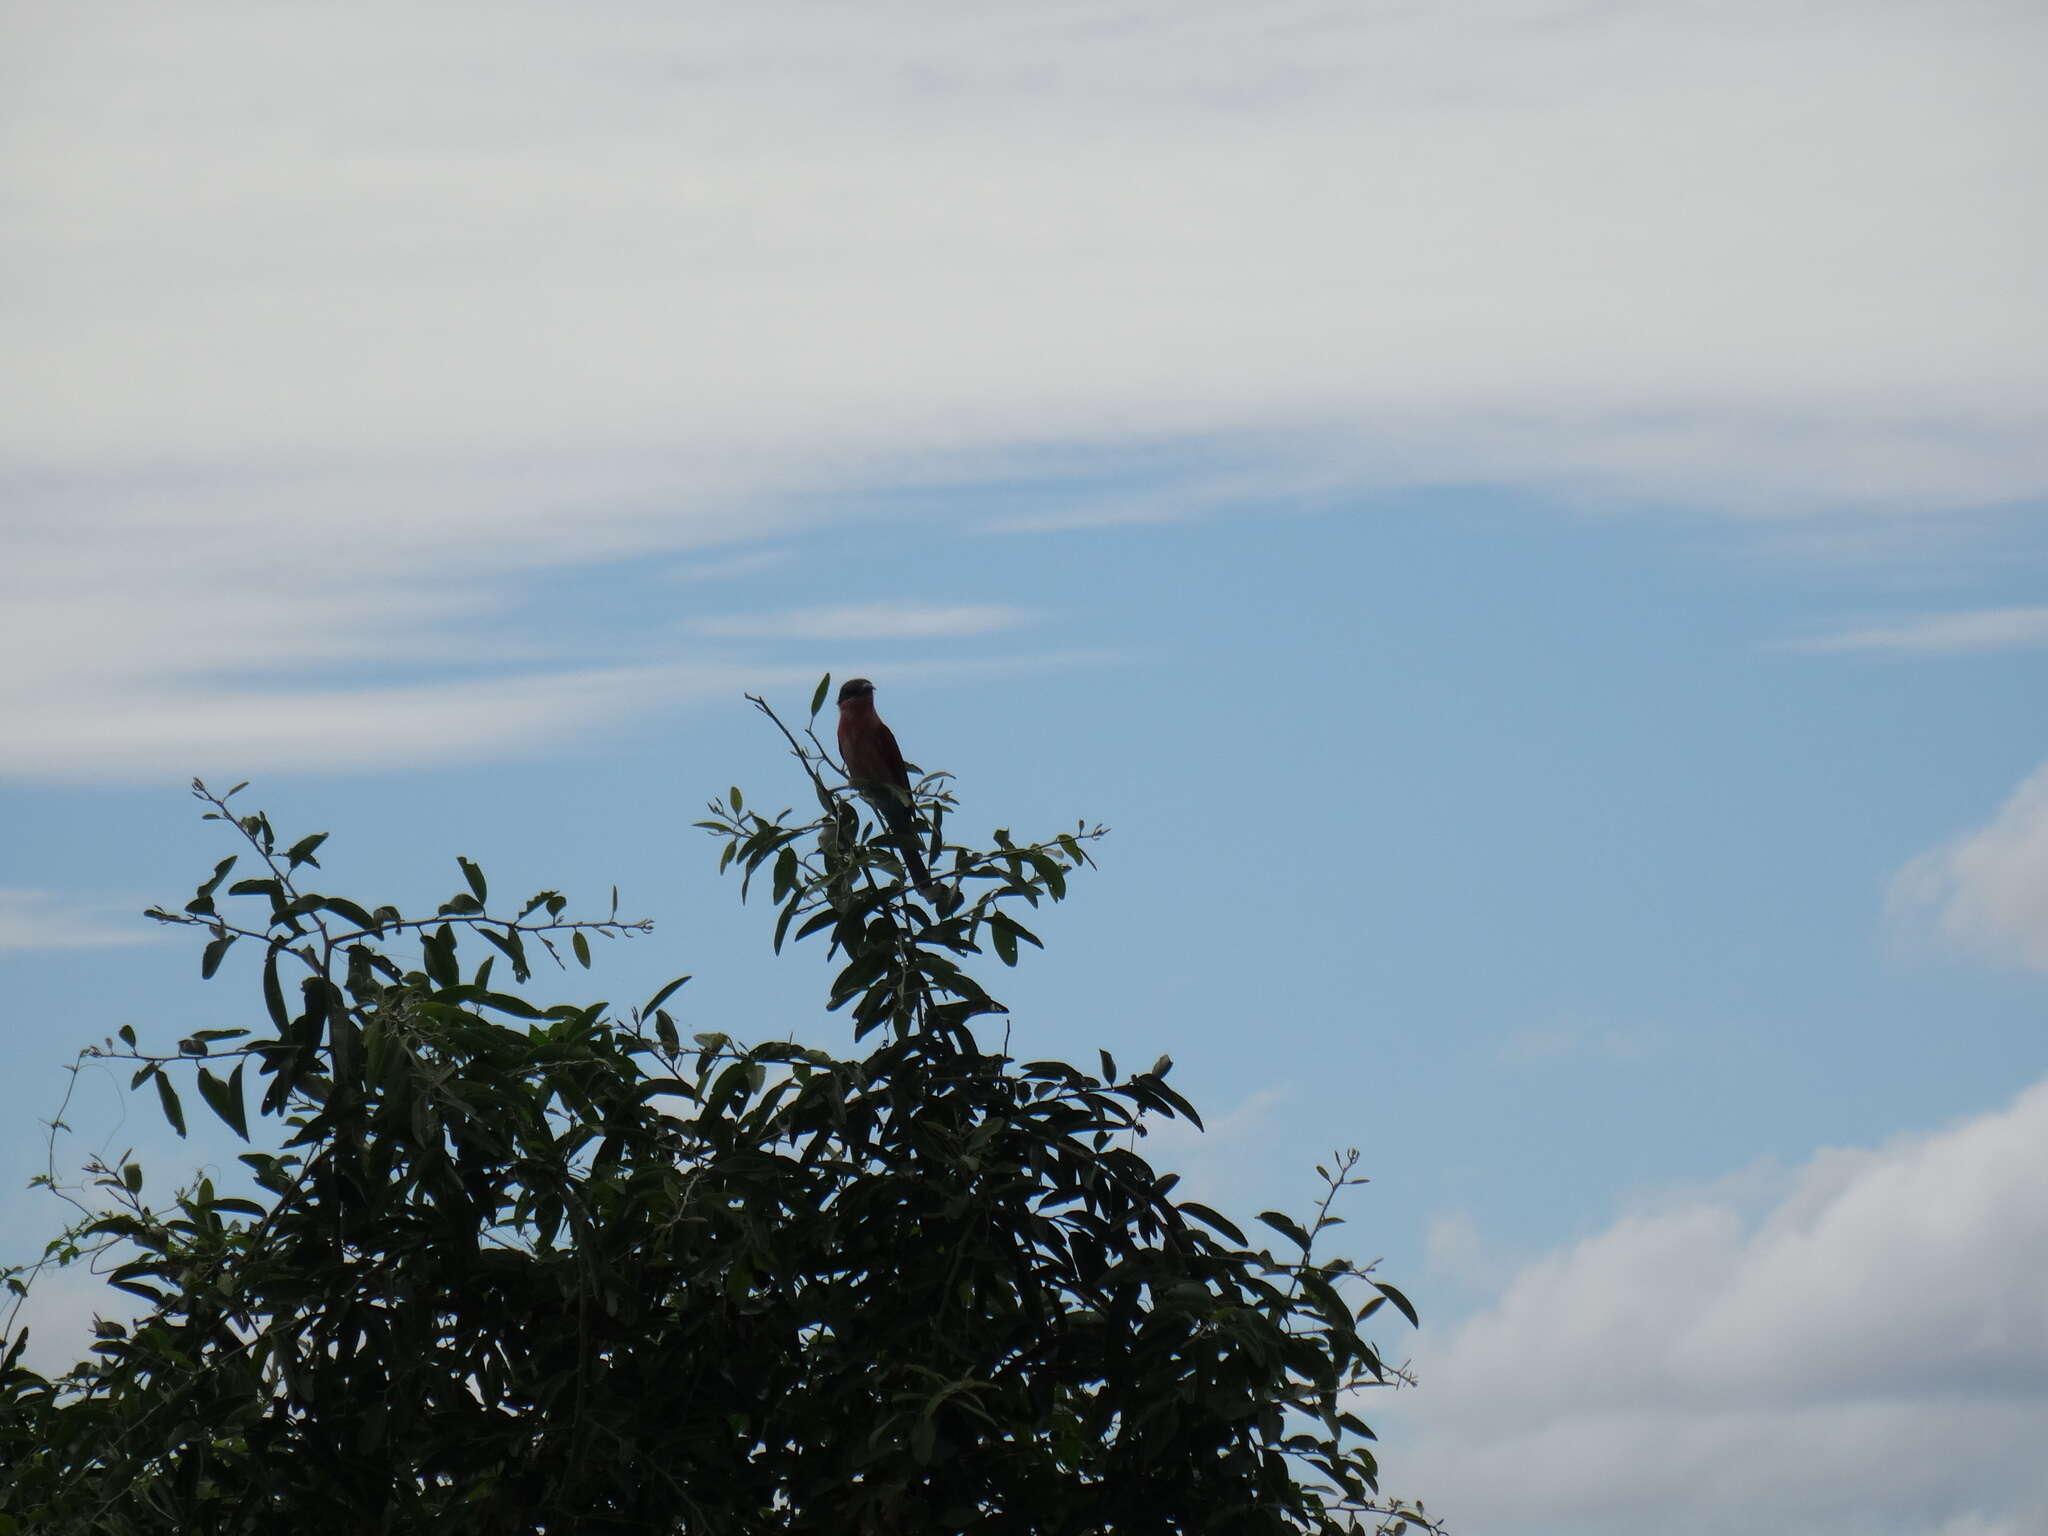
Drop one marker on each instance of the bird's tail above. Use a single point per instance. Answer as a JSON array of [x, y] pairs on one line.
[[903, 823], [920, 876]]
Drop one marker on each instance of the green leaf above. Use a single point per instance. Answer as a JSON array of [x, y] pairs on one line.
[[273, 993], [506, 1002], [1154, 1094], [1287, 1226], [225, 1100], [437, 954], [202, 899], [210, 961], [342, 907], [514, 950], [1401, 1303], [1051, 872], [734, 1082], [475, 877], [663, 995], [301, 852], [174, 1112], [1210, 1218], [581, 945], [818, 698]]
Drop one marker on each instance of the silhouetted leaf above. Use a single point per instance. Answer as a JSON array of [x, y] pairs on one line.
[[302, 851], [174, 1112], [663, 995], [1212, 1219], [225, 1100], [1401, 1303], [349, 911], [1287, 1226]]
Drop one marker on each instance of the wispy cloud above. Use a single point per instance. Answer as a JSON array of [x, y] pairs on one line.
[[1705, 1356], [216, 731], [1676, 248], [32, 920], [360, 390], [1115, 512], [729, 567], [1940, 634], [1987, 889], [1459, 1254], [266, 616], [869, 621]]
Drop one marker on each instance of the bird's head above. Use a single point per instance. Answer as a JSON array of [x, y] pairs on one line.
[[855, 688]]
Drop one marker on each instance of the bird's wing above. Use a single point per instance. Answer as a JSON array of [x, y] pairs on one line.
[[871, 755], [890, 756]]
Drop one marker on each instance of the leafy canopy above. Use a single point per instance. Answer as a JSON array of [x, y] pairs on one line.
[[502, 1266]]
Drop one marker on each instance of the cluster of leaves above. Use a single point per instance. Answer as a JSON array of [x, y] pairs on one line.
[[506, 1268]]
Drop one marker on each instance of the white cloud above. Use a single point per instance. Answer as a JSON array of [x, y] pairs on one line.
[[1974, 1524], [1459, 1255], [1093, 512], [1988, 889], [47, 920], [215, 731], [1941, 634], [332, 329], [1214, 1163], [729, 567], [1868, 1355], [246, 617], [1616, 243], [869, 621]]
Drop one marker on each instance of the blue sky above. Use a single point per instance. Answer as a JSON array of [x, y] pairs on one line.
[[1526, 520]]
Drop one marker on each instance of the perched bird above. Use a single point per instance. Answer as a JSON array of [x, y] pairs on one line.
[[875, 765]]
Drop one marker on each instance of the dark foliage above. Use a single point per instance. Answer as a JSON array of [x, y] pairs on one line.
[[505, 1268]]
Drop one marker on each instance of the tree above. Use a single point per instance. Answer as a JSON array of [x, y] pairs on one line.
[[504, 1267]]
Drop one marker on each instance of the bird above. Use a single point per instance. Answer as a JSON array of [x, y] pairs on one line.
[[875, 765]]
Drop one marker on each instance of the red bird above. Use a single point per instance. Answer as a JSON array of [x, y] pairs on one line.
[[875, 765]]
